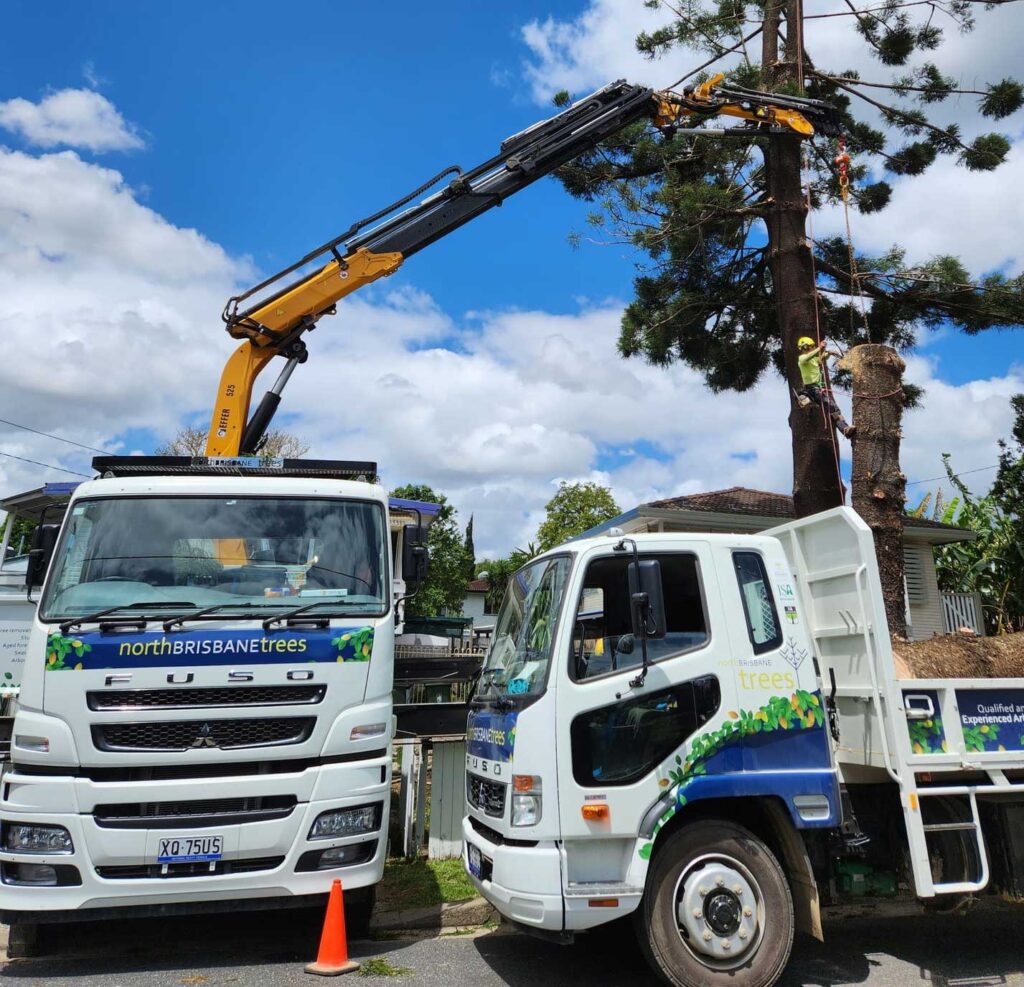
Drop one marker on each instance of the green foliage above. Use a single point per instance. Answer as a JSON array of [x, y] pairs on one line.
[[444, 591], [699, 209], [992, 564], [575, 508]]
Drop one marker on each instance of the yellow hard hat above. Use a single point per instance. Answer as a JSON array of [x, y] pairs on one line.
[[804, 341]]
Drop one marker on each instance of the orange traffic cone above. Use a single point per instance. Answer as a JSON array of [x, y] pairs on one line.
[[332, 958]]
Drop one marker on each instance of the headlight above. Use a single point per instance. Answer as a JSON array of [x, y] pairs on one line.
[[29, 838], [346, 822], [525, 810]]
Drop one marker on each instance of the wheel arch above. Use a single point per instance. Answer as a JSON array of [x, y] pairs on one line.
[[768, 819]]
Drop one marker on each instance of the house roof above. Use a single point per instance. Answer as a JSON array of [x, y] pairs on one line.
[[746, 505], [478, 586]]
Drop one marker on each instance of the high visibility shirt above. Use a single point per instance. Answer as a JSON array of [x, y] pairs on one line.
[[810, 368]]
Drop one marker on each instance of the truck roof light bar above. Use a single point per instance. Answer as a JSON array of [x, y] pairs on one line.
[[327, 469]]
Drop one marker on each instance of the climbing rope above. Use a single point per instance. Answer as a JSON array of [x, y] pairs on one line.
[[842, 162]]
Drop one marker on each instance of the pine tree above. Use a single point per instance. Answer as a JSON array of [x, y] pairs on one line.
[[728, 286], [470, 551]]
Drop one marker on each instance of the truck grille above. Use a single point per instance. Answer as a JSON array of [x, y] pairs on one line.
[[201, 734], [208, 812], [488, 796], [200, 868], [241, 695]]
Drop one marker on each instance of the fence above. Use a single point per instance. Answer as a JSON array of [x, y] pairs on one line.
[[962, 610]]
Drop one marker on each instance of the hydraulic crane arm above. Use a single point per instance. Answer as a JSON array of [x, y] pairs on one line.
[[273, 324]]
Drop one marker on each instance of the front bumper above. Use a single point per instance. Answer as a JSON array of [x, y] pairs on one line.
[[524, 883], [260, 857]]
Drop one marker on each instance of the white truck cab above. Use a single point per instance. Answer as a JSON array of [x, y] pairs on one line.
[[205, 716], [706, 732]]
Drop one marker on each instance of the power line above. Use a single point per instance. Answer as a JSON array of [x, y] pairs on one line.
[[59, 438], [49, 466], [980, 469]]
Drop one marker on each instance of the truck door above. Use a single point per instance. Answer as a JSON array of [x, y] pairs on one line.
[[613, 737]]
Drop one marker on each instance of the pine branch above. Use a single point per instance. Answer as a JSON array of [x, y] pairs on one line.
[[898, 88], [915, 120]]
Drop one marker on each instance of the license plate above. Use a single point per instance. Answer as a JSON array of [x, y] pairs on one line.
[[475, 861], [189, 849]]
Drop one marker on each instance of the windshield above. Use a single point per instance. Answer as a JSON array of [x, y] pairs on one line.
[[517, 663], [264, 553]]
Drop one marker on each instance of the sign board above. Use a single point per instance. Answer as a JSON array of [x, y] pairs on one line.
[[16, 615]]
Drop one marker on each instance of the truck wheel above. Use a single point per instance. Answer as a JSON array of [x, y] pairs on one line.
[[358, 912], [23, 941], [717, 909]]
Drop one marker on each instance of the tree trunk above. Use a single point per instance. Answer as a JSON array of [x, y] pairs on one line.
[[878, 485], [817, 485]]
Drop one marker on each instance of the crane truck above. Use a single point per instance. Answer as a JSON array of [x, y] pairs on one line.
[[708, 733], [205, 714]]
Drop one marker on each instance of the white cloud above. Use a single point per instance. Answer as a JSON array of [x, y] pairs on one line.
[[70, 117], [110, 316]]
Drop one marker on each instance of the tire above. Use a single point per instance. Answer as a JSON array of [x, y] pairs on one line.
[[708, 856], [358, 912]]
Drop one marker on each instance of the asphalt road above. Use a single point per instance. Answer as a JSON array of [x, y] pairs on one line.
[[982, 949]]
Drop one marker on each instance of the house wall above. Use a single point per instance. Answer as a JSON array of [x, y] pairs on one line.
[[473, 605], [926, 603]]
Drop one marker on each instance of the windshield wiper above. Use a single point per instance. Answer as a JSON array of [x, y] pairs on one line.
[[323, 621], [66, 625], [204, 611]]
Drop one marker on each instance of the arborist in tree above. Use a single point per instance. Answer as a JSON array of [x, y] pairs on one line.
[[811, 359]]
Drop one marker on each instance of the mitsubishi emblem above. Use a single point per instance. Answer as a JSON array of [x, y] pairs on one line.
[[204, 738]]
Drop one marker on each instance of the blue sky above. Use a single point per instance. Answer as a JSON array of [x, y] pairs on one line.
[[234, 137], [272, 132]]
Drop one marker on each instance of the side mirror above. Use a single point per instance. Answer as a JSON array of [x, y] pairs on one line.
[[646, 599], [44, 538], [415, 561]]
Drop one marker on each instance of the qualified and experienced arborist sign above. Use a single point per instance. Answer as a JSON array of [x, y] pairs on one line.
[[207, 647]]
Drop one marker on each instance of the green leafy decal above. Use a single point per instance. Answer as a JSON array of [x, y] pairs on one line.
[[58, 648], [927, 736], [983, 738], [354, 645], [800, 711]]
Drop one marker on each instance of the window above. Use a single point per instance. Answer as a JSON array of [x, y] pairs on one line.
[[213, 551], [620, 743], [913, 573], [603, 640], [517, 662], [758, 606]]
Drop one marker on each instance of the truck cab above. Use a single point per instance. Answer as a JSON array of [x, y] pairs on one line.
[[205, 717], [708, 733]]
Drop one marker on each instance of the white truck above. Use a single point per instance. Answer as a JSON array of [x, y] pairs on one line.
[[708, 733], [205, 717]]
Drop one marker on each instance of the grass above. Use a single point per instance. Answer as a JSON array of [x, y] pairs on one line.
[[380, 967], [420, 883]]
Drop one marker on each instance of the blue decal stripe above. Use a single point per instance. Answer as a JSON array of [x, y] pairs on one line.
[[207, 647]]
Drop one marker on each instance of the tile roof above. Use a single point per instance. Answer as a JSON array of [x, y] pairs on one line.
[[478, 586], [757, 503]]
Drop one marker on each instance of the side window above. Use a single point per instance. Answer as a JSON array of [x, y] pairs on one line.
[[620, 743], [758, 606], [603, 641]]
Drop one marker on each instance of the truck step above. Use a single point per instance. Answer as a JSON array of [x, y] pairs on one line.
[[601, 889], [949, 827]]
